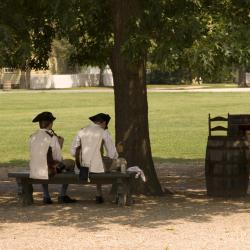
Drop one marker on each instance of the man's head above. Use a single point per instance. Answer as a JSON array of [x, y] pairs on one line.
[[101, 119], [45, 120]]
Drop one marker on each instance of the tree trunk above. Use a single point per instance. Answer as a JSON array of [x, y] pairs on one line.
[[242, 77], [131, 107], [28, 78], [190, 75], [22, 80], [25, 79], [101, 80]]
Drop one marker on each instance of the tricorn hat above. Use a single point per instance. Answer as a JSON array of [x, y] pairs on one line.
[[44, 116], [101, 117]]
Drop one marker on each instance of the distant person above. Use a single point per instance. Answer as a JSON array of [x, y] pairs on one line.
[[87, 146], [46, 156]]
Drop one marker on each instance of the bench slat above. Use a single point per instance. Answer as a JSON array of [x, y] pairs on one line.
[[71, 178]]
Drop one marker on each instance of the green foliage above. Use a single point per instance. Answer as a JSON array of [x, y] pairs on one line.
[[185, 35], [15, 44], [62, 51], [179, 31], [225, 44], [221, 44], [87, 27], [26, 33], [156, 76]]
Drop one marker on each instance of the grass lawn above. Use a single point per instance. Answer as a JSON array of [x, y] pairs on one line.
[[178, 121]]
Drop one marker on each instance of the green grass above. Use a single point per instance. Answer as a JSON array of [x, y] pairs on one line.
[[178, 121]]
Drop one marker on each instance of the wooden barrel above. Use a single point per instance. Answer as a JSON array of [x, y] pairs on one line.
[[226, 166], [238, 124], [7, 85]]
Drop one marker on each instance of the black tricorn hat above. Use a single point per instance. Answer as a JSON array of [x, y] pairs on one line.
[[101, 117], [44, 116]]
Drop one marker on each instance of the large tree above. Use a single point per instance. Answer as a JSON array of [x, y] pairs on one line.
[[122, 34]]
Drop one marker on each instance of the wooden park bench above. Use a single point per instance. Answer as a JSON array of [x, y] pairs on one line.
[[122, 181]]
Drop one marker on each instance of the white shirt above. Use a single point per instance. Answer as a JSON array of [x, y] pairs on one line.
[[39, 144], [90, 138]]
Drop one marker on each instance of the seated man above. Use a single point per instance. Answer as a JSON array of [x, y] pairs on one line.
[[86, 147], [45, 156]]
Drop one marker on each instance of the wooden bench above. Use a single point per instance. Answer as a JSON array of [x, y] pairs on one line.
[[122, 181]]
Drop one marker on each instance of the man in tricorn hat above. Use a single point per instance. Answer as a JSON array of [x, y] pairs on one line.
[[86, 147], [45, 156]]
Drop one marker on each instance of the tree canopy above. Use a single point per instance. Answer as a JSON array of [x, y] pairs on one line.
[[172, 34], [26, 33], [125, 34]]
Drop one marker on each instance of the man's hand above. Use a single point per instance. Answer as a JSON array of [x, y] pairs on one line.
[[52, 170]]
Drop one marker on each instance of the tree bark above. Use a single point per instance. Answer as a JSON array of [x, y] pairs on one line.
[[27, 74], [25, 79], [242, 77], [101, 80], [131, 107]]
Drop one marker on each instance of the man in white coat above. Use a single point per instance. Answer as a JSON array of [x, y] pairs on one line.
[[45, 156], [86, 147]]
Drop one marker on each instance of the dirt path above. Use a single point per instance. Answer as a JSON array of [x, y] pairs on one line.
[[185, 220]]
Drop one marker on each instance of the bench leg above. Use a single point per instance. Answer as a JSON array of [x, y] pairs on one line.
[[19, 187], [113, 189], [129, 189], [26, 197], [121, 195]]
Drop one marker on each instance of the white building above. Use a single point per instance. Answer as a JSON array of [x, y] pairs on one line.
[[46, 80]]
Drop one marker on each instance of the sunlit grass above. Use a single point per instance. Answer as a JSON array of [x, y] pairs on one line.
[[178, 121]]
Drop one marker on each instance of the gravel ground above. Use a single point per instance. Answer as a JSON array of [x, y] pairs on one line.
[[188, 219]]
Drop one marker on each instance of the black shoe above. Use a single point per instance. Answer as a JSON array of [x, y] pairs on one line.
[[65, 199], [47, 200], [99, 200]]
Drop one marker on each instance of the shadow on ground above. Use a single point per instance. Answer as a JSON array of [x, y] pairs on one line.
[[188, 203]]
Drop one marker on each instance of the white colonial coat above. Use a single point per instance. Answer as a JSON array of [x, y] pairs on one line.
[[39, 145], [90, 139]]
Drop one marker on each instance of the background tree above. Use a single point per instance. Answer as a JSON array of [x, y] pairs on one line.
[[61, 52], [26, 33], [222, 47], [225, 45], [227, 39], [101, 75], [237, 15]]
